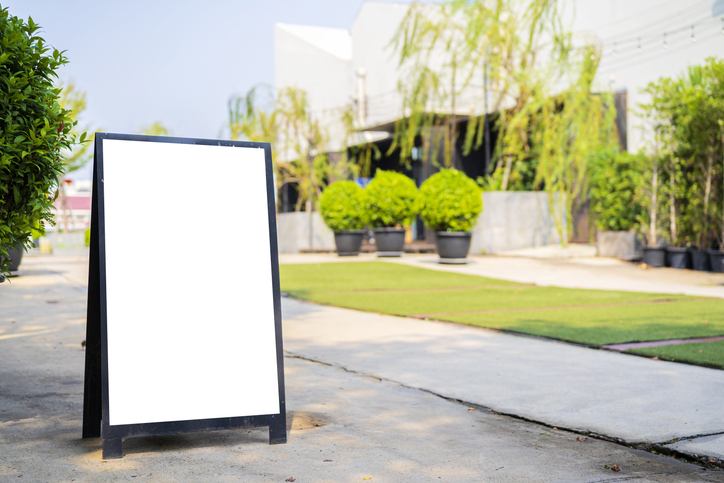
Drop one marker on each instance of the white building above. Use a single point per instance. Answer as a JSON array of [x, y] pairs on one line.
[[642, 40]]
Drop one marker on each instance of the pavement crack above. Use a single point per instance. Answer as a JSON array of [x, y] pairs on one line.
[[687, 438], [654, 448]]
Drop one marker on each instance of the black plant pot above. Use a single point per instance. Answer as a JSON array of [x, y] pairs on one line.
[[389, 241], [655, 256], [715, 260], [700, 260], [453, 246], [16, 256], [679, 257], [348, 242]]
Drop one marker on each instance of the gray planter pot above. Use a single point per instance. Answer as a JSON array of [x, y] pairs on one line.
[[716, 258], [453, 246], [389, 242], [16, 256], [700, 260], [655, 256], [348, 242], [679, 257]]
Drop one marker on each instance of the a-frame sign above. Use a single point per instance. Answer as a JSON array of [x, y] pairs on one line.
[[184, 310]]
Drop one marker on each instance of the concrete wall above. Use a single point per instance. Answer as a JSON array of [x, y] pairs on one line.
[[293, 232], [619, 244], [512, 220]]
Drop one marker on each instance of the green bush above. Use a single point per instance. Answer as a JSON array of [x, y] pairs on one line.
[[87, 237], [34, 129], [450, 201], [390, 199], [616, 185], [341, 206]]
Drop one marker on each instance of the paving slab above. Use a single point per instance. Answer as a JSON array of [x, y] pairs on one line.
[[704, 447], [629, 398]]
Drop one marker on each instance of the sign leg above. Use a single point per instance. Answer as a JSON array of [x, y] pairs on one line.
[[92, 399], [278, 431], [112, 448]]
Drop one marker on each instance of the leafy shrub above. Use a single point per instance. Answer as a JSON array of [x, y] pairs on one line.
[[390, 199], [450, 201], [87, 237], [341, 206], [616, 185], [34, 129]]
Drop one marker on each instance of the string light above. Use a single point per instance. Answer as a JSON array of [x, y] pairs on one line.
[[693, 37], [666, 46]]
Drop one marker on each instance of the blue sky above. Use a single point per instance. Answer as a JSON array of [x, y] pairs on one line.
[[174, 61]]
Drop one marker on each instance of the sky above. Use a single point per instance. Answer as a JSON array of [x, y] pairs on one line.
[[173, 61]]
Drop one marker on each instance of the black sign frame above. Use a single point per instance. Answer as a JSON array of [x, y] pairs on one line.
[[96, 394]]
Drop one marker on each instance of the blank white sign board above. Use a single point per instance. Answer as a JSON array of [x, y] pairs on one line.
[[190, 328]]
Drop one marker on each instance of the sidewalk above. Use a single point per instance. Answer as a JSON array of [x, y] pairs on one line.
[[349, 416]]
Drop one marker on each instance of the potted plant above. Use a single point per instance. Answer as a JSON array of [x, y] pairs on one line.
[[450, 203], [341, 207], [616, 203], [654, 253], [390, 205]]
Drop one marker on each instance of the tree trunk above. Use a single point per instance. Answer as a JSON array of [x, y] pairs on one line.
[[652, 212], [310, 202], [506, 173], [704, 236], [672, 201], [65, 211], [453, 160], [721, 240]]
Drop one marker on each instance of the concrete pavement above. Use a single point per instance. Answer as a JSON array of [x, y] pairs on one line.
[[629, 399], [348, 423]]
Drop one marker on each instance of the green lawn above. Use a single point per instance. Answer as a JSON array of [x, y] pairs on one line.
[[595, 317], [710, 353]]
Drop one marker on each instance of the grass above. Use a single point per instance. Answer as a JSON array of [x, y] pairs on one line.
[[708, 353], [594, 317]]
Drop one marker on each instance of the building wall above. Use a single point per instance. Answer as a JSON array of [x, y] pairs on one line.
[[512, 220], [293, 232], [623, 22]]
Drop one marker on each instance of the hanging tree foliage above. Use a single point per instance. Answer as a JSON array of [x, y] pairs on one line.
[[541, 88], [300, 141]]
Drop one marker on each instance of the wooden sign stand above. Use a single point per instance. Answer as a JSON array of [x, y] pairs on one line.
[[213, 363]]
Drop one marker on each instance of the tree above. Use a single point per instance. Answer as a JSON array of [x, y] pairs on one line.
[[300, 141], [34, 132], [686, 114], [548, 117]]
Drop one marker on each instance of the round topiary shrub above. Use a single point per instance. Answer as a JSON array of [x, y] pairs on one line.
[[450, 201], [34, 130], [390, 199], [342, 206]]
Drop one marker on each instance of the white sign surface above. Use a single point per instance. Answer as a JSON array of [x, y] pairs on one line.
[[190, 308]]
